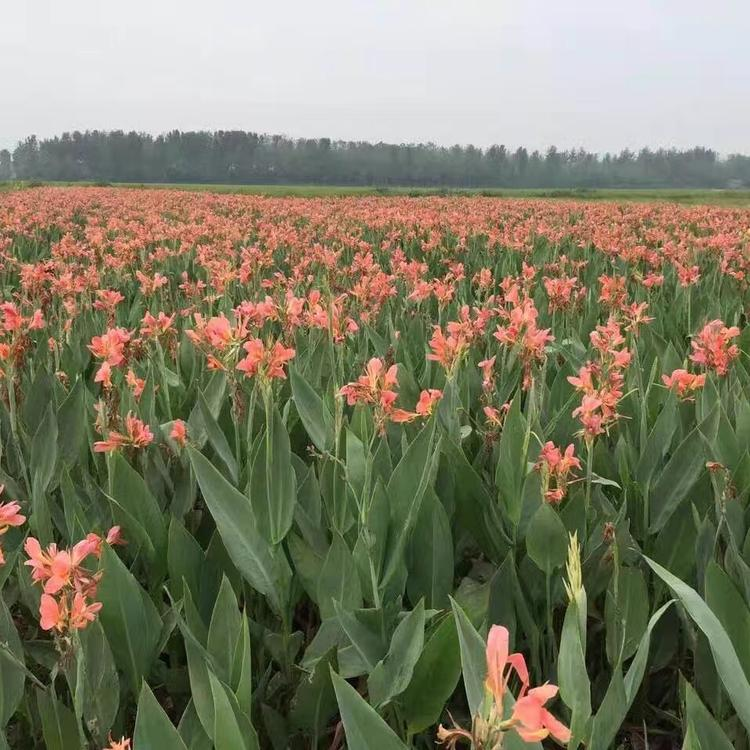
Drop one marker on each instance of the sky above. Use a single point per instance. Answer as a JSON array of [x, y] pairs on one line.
[[597, 74]]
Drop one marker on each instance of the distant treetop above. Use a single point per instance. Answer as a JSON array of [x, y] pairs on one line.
[[238, 157]]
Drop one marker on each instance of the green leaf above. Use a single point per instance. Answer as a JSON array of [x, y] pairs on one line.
[[709, 733], [185, 560], [71, 420], [44, 450], [435, 677], [224, 631], [12, 676], [627, 615], [129, 618], [313, 412], [314, 701], [214, 397], [137, 511], [339, 580], [153, 729], [621, 692], [473, 659], [431, 555], [511, 464], [392, 674], [547, 539], [101, 685], [658, 442], [723, 597], [677, 479], [575, 686], [42, 465], [367, 644], [265, 568], [727, 664], [365, 730], [217, 438], [59, 725], [273, 483], [406, 489], [232, 728]]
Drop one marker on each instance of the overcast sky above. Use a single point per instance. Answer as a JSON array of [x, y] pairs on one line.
[[602, 74]]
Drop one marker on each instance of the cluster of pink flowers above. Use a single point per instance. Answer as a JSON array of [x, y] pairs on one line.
[[69, 589], [110, 347], [522, 333], [601, 382], [556, 467], [267, 361], [684, 383], [9, 516], [377, 388], [529, 717], [137, 435], [713, 347]]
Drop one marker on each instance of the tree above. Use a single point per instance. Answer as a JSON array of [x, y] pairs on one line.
[[6, 165]]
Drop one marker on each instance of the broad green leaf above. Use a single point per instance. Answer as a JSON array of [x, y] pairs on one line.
[[575, 686], [339, 580], [431, 564], [313, 412], [657, 445], [511, 465], [727, 664], [153, 729], [314, 702], [364, 729], [232, 728], [709, 733], [12, 677], [723, 597], [473, 659], [214, 397], [137, 511], [621, 692], [273, 483], [406, 489], [626, 615], [217, 438], [547, 539], [264, 567], [392, 675], [71, 421], [59, 725], [435, 677], [101, 685], [129, 618], [677, 479], [224, 631], [44, 450]]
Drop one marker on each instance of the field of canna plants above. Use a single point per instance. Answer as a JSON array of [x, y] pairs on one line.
[[372, 473]]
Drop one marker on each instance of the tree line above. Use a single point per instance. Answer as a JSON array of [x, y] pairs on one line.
[[239, 157]]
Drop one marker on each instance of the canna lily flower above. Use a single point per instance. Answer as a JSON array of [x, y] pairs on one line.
[[137, 435], [50, 613], [713, 347], [179, 432], [82, 613], [529, 717], [533, 721], [266, 361], [9, 516], [122, 744], [684, 383]]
